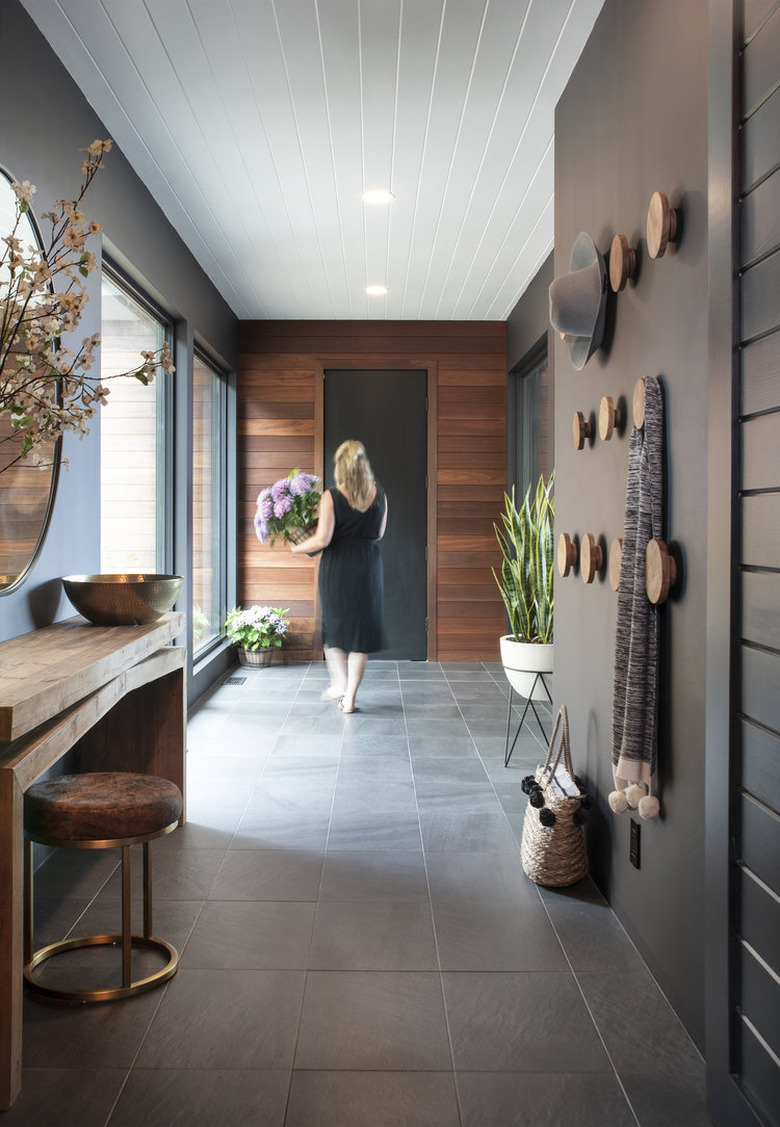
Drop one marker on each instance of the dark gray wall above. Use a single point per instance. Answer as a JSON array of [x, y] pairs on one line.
[[43, 124], [633, 119]]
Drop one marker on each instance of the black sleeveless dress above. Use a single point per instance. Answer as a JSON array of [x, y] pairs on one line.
[[351, 578]]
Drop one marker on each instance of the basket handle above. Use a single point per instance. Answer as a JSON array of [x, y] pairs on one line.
[[564, 746]]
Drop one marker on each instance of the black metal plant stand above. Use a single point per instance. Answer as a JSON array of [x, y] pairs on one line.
[[507, 749]]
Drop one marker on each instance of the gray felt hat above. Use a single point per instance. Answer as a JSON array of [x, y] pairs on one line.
[[578, 301]]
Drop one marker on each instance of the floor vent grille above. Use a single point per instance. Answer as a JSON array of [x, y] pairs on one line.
[[235, 681]]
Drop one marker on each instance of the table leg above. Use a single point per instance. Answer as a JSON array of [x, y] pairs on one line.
[[11, 936]]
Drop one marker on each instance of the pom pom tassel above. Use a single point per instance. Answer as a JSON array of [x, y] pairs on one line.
[[634, 794], [617, 801], [649, 807]]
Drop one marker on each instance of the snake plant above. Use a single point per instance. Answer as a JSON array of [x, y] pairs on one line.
[[526, 581]]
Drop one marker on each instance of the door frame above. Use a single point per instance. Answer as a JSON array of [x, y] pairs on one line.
[[374, 363]]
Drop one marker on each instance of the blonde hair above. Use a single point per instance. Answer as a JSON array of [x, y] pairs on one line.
[[353, 474]]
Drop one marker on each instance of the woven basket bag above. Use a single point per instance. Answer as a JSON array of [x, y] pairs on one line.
[[553, 845]]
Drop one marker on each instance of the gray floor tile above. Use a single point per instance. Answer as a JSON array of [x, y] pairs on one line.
[[356, 797], [466, 832], [109, 1036], [323, 739], [649, 1020], [372, 1099], [422, 728], [441, 747], [265, 935], [465, 878], [268, 875], [512, 1099], [496, 937], [373, 936], [504, 1022], [369, 875], [66, 1097], [202, 1098], [373, 1020], [365, 744], [372, 830], [233, 1019], [668, 1101], [590, 932]]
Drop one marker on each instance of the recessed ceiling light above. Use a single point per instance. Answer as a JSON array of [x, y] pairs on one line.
[[377, 291], [378, 195]]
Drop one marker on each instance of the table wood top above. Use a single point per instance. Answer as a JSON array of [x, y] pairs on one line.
[[45, 671]]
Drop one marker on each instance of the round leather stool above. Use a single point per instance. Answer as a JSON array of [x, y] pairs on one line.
[[101, 810]]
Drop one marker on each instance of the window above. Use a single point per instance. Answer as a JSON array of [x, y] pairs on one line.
[[209, 504], [534, 445], [135, 443]]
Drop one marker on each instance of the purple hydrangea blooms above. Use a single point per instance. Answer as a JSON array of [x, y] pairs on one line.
[[256, 627], [290, 503]]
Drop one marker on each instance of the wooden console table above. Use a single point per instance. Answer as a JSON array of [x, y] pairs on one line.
[[119, 694]]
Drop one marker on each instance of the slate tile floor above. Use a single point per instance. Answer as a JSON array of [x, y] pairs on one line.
[[360, 946]]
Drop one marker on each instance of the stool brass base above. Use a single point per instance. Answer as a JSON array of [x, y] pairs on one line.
[[108, 994]]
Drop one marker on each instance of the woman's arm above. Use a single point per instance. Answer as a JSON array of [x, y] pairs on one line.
[[326, 524], [383, 525]]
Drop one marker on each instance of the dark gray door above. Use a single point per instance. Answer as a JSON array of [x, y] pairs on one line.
[[386, 411]]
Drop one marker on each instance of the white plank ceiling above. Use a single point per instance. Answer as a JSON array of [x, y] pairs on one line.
[[257, 125]]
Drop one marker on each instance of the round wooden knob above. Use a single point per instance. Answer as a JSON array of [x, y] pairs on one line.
[[568, 554], [610, 417], [622, 263], [660, 571], [638, 404], [581, 428], [615, 563], [662, 224], [591, 558]]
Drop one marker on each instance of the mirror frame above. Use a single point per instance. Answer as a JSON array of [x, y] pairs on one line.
[[56, 453]]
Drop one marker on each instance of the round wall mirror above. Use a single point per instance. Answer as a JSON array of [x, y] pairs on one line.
[[26, 490]]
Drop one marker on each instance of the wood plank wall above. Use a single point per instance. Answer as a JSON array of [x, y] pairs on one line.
[[280, 427]]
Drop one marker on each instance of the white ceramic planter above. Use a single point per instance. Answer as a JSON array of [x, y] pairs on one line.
[[522, 661]]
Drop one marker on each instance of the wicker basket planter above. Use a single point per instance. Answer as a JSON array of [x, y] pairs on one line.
[[256, 659]]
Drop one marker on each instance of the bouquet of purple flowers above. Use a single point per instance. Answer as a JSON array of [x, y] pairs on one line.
[[287, 506]]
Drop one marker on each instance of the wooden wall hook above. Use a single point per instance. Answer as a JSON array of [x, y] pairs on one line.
[[615, 562], [663, 224], [660, 571], [568, 554], [591, 558], [610, 417], [622, 263], [581, 428], [638, 404]]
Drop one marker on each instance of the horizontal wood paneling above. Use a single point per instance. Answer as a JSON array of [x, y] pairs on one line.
[[760, 374], [760, 845], [760, 607], [760, 219], [759, 63], [760, 1001], [760, 678], [278, 367], [761, 530], [760, 924], [759, 138], [761, 766], [761, 452], [760, 1075], [760, 297]]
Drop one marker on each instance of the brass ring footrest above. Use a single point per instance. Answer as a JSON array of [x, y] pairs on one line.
[[108, 994]]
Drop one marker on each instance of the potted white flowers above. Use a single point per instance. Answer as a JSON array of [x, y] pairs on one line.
[[526, 586], [256, 632]]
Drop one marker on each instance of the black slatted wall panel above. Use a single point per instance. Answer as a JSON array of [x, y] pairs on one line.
[[756, 947]]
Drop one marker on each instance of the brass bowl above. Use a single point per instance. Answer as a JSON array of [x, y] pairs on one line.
[[122, 600]]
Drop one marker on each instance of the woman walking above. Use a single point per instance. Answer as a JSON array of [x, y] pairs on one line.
[[351, 521]]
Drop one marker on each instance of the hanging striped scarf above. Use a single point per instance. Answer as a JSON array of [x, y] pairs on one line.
[[635, 709]]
